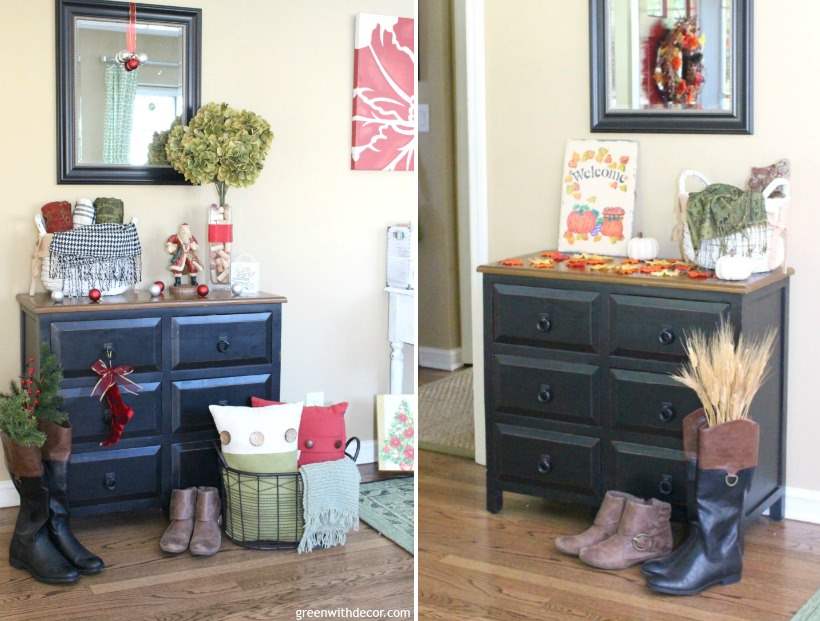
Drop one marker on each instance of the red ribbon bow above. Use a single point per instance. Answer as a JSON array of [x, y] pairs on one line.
[[111, 376]]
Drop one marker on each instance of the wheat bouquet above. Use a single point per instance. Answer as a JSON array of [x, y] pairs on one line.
[[726, 375]]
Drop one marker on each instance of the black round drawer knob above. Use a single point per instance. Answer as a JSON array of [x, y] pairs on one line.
[[544, 464], [666, 336], [544, 323], [545, 394], [665, 486], [667, 413], [110, 481], [337, 444], [223, 344], [308, 443]]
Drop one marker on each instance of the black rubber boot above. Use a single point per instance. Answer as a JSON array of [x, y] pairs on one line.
[[31, 546], [58, 521], [661, 565], [713, 553], [691, 425], [56, 453]]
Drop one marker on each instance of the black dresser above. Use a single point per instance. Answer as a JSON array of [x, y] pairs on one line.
[[187, 354], [577, 394]]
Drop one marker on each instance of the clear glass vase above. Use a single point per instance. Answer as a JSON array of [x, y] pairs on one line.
[[220, 244]]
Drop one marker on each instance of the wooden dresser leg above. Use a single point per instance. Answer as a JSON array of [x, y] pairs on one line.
[[495, 499], [778, 510]]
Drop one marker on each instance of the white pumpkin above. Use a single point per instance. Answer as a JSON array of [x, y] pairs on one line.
[[729, 267], [642, 248]]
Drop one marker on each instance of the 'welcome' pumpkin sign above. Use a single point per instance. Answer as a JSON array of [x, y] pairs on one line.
[[598, 196]]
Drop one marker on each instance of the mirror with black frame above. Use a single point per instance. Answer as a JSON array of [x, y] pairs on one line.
[[681, 66], [113, 121]]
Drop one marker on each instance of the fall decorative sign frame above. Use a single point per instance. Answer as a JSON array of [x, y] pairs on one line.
[[598, 196]]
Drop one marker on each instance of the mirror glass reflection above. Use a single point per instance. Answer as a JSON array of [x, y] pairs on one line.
[[122, 117], [670, 55]]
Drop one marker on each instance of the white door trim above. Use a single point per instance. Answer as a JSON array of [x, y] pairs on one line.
[[471, 155]]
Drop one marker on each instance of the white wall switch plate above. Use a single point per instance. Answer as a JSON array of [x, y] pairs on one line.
[[315, 398], [424, 118]]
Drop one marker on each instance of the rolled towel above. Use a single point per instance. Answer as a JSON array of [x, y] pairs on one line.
[[83, 212], [109, 211]]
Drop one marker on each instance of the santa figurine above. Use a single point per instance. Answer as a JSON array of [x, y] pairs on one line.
[[182, 247]]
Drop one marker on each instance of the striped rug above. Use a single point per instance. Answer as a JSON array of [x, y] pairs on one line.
[[446, 415]]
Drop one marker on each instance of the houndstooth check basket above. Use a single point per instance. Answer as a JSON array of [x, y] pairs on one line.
[[766, 247], [57, 284]]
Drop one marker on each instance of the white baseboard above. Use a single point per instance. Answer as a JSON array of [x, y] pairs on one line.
[[442, 359], [8, 495], [802, 505]]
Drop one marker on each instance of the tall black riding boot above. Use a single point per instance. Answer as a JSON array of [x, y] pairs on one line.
[[727, 457], [690, 426], [31, 547], [56, 454]]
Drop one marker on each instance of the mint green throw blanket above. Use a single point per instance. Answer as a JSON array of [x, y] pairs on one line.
[[331, 503], [721, 210]]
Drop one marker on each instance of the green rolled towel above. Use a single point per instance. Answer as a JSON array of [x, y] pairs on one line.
[[109, 211]]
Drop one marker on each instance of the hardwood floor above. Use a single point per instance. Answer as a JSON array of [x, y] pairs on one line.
[[141, 582], [477, 566], [431, 375]]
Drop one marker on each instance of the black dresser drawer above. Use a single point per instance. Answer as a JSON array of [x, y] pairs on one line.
[[650, 471], [547, 389], [657, 326], [112, 475], [190, 398], [204, 341], [194, 463], [133, 342], [89, 417], [543, 317], [652, 402], [548, 458]]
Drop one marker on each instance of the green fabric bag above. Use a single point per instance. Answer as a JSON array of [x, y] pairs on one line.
[[721, 210], [263, 508]]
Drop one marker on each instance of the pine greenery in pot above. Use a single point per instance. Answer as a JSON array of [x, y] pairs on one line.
[[226, 147], [35, 398]]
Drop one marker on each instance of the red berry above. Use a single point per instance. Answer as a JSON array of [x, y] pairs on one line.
[[94, 295], [202, 290]]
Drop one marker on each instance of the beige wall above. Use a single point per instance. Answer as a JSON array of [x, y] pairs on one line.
[[317, 228], [538, 97], [438, 251]]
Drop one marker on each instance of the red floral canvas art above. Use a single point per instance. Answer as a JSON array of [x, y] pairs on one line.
[[384, 99]]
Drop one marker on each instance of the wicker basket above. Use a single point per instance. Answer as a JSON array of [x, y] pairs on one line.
[[264, 511], [766, 247], [57, 284]]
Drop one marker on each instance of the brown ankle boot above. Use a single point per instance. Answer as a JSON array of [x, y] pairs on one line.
[[604, 526], [207, 538], [178, 534], [644, 533]]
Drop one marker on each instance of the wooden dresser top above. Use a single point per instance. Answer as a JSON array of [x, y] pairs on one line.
[[560, 271], [41, 303]]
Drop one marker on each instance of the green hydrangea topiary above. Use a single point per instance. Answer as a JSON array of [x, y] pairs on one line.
[[220, 145]]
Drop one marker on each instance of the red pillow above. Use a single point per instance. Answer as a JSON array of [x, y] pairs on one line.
[[321, 431]]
